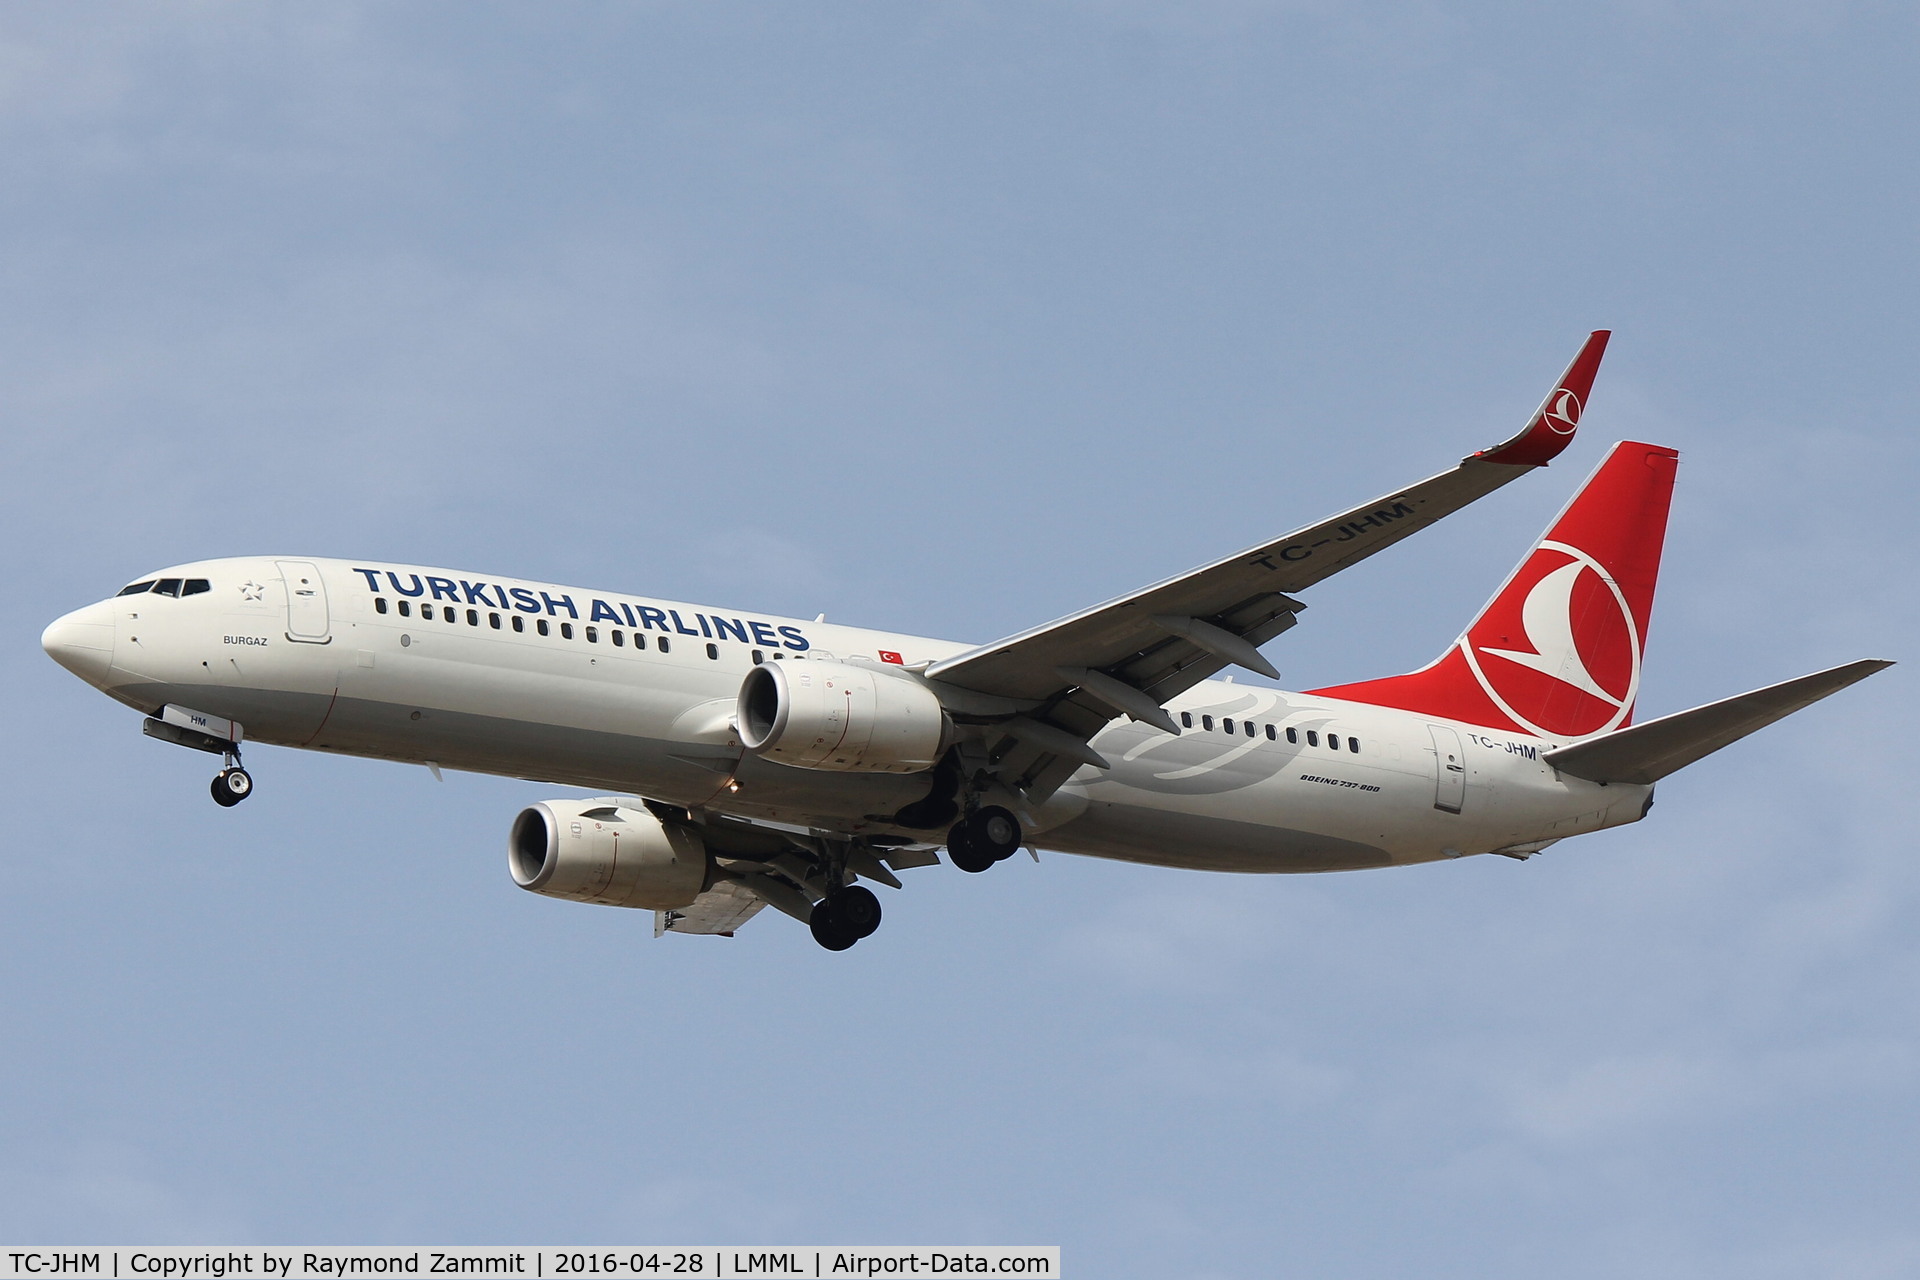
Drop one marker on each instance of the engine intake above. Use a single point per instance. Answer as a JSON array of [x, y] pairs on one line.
[[834, 715], [611, 850]]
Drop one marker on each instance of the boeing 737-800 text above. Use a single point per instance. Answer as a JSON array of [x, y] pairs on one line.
[[758, 761]]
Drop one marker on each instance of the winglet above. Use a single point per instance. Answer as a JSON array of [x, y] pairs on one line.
[[1552, 426]]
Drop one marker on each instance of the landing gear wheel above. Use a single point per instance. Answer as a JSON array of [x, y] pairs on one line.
[[964, 852], [858, 910], [844, 917], [996, 832], [829, 928], [231, 786]]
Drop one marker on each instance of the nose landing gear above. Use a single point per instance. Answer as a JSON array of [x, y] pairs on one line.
[[204, 731], [984, 837], [232, 784]]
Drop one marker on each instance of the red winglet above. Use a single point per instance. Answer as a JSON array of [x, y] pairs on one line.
[[1552, 426]]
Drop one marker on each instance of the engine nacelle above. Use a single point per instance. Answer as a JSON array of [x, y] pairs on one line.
[[610, 850], [835, 715]]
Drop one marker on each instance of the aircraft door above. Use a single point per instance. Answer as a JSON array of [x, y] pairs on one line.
[[1450, 769], [306, 602]]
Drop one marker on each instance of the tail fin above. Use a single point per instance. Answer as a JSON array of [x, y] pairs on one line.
[[1556, 653]]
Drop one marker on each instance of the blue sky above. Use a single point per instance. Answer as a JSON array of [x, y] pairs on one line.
[[954, 319]]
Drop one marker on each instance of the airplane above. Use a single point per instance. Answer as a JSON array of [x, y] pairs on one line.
[[751, 760]]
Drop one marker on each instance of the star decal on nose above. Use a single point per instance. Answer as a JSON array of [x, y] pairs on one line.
[[253, 590]]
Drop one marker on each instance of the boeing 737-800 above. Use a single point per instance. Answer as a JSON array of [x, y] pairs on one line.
[[754, 760]]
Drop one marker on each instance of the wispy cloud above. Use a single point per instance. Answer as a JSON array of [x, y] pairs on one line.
[[93, 1191]]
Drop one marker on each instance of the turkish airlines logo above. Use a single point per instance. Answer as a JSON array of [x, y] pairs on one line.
[[1564, 660], [1562, 413]]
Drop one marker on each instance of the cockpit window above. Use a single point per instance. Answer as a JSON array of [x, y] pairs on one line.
[[137, 588], [195, 586], [167, 587]]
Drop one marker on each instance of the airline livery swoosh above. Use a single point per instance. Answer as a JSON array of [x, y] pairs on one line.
[[1547, 617]]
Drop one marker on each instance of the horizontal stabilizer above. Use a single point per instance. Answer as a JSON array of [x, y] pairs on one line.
[[1649, 752]]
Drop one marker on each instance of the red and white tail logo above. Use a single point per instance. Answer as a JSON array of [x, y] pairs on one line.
[[1557, 651], [1569, 648]]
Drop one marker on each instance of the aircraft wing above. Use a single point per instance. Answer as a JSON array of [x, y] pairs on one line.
[[1131, 654], [772, 865]]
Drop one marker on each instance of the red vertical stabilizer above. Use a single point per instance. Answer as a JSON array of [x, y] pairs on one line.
[[1557, 651]]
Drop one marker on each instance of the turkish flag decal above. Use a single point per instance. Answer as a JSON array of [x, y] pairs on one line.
[[888, 655]]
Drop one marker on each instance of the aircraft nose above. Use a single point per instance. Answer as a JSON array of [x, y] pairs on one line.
[[82, 642]]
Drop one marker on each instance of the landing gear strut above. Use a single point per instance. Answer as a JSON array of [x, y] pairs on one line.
[[983, 838], [232, 784], [844, 917]]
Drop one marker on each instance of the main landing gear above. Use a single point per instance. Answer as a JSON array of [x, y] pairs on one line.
[[983, 838], [844, 917], [232, 784]]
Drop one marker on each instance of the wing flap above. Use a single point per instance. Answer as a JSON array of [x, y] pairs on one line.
[[1649, 752], [721, 909]]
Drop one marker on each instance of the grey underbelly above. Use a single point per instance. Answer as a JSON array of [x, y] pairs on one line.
[[696, 774], [687, 773], [1135, 834]]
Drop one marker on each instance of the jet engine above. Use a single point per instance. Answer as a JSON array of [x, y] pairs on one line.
[[611, 850], [834, 715]]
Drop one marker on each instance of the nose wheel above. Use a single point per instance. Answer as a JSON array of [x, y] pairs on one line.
[[986, 836], [231, 785]]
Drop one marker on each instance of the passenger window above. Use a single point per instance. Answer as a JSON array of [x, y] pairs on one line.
[[167, 587], [1206, 722], [1227, 724], [379, 604], [1293, 734], [1271, 735], [713, 651], [758, 657], [663, 644], [450, 613], [473, 617], [639, 640], [426, 611], [493, 620], [519, 623], [541, 627], [137, 588], [1333, 741], [195, 586], [405, 609], [1248, 726], [593, 635], [619, 639], [1353, 744], [566, 631], [1313, 738], [1186, 719]]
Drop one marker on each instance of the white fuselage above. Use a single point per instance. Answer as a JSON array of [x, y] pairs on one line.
[[331, 664]]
